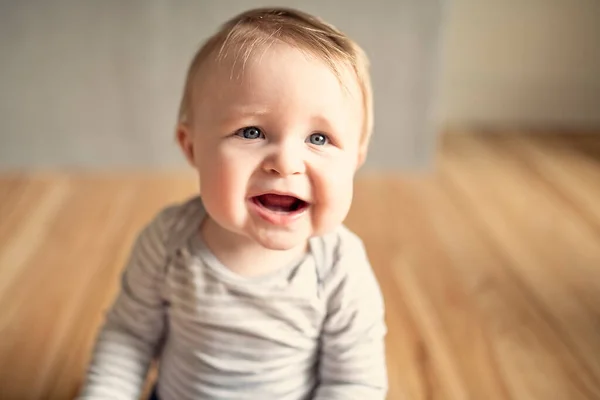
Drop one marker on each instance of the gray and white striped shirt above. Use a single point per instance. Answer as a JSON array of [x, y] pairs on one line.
[[312, 330]]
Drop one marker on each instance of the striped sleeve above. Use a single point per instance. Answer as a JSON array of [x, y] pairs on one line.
[[353, 364], [134, 325]]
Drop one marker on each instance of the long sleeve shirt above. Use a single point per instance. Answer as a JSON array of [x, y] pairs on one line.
[[313, 329]]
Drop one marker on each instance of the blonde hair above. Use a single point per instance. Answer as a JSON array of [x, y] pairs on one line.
[[263, 26]]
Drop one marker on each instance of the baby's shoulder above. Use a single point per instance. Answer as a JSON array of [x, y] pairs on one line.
[[174, 222], [341, 240], [347, 275], [340, 252]]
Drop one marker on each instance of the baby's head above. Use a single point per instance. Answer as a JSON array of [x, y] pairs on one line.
[[276, 118]]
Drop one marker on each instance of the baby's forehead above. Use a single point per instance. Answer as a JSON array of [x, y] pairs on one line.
[[243, 64], [278, 82]]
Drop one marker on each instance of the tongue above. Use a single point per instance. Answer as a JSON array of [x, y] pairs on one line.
[[277, 202]]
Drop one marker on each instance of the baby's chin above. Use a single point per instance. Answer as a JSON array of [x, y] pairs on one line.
[[280, 241], [286, 240]]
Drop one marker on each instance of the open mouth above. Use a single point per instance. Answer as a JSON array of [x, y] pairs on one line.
[[282, 204]]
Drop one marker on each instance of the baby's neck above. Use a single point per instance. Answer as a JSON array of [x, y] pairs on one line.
[[242, 255]]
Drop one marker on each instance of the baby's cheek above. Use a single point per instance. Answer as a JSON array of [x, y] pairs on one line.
[[339, 177], [219, 187], [335, 193]]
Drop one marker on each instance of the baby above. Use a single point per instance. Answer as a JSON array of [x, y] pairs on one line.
[[255, 289]]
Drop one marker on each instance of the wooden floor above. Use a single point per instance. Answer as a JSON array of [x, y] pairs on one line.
[[490, 268]]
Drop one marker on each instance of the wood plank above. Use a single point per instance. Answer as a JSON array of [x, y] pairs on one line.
[[529, 220], [412, 373], [575, 179], [455, 334]]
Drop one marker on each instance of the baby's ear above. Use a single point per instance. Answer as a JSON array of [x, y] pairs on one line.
[[186, 143], [362, 155]]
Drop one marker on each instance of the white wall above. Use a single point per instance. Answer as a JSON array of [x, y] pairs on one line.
[[96, 84], [522, 63]]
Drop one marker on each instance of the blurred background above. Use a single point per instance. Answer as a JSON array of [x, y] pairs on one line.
[[479, 203], [96, 84]]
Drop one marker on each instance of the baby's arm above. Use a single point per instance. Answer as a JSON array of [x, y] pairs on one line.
[[127, 342], [353, 364]]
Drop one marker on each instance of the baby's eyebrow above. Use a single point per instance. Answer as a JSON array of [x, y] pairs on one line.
[[235, 113], [252, 109], [329, 126]]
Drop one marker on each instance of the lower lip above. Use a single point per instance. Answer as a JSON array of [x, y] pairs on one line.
[[274, 217]]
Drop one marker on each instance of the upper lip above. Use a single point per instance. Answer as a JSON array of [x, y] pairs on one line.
[[281, 193]]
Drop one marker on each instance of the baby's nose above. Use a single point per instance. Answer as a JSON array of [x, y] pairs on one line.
[[286, 160]]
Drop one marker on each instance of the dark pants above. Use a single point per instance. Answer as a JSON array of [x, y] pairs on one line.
[[154, 395]]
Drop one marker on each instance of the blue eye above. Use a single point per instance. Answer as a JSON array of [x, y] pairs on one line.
[[318, 139], [250, 132]]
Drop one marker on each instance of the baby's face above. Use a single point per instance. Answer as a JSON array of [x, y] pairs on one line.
[[276, 146]]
